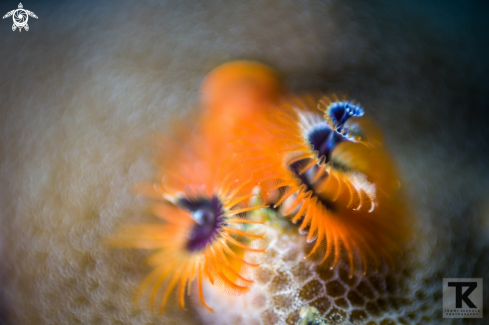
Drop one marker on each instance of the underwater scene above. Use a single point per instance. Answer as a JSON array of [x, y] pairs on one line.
[[258, 162]]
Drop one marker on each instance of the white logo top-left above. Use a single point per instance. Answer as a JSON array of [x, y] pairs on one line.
[[20, 16]]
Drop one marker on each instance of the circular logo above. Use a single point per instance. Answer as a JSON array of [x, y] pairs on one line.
[[20, 17]]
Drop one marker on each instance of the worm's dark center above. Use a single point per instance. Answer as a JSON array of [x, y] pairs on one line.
[[323, 139], [207, 214]]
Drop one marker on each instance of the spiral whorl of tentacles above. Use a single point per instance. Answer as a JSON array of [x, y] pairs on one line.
[[319, 166]]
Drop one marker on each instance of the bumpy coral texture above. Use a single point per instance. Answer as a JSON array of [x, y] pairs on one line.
[[287, 283]]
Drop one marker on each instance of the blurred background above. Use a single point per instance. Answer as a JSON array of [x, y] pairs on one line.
[[83, 90]]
